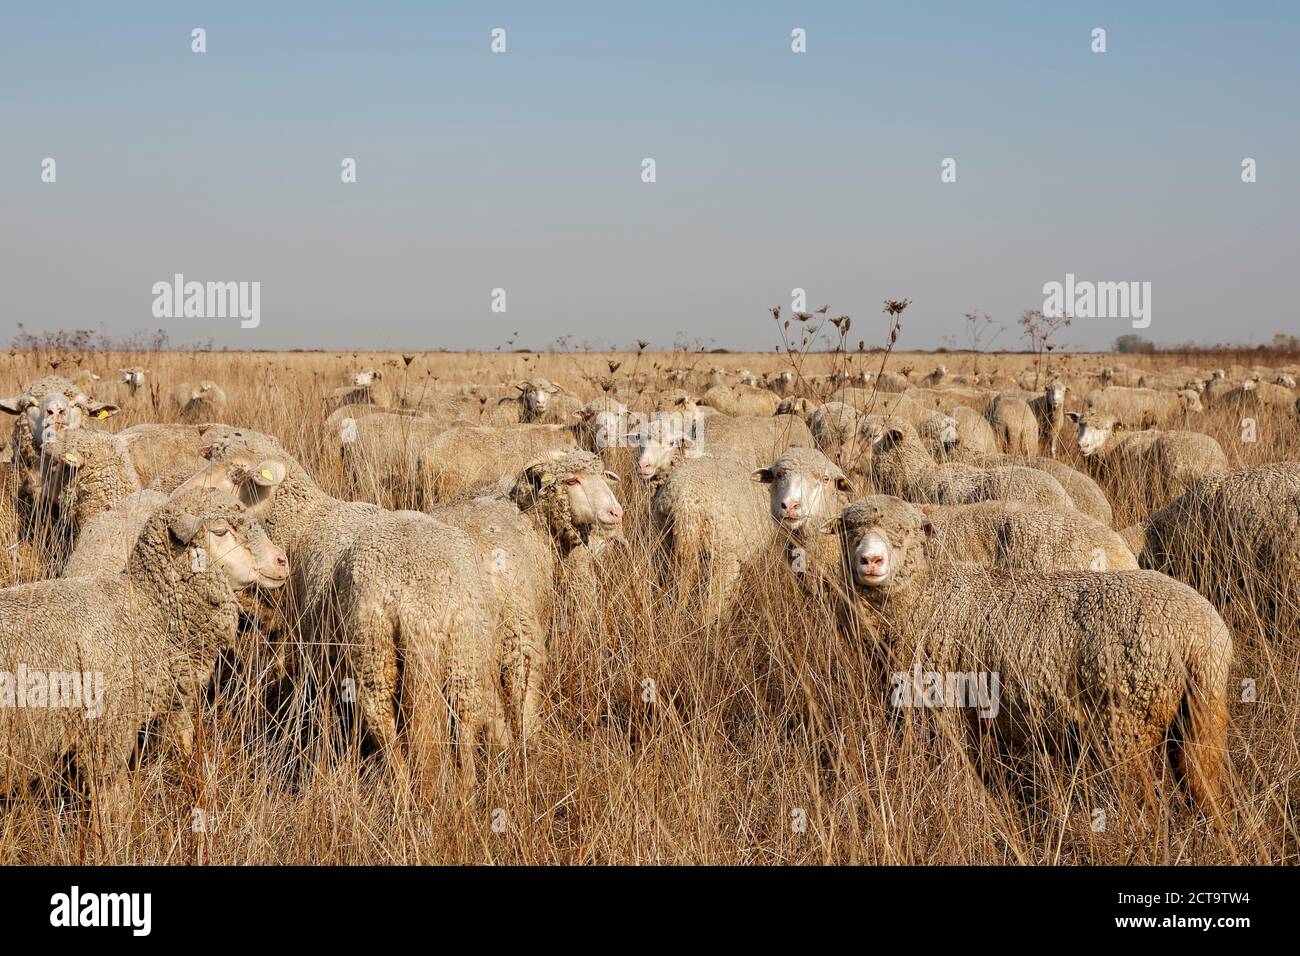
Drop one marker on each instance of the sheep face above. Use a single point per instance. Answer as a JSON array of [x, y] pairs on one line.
[[366, 377], [592, 502], [572, 492], [536, 395], [54, 408], [1094, 431], [1055, 395], [221, 535], [657, 448], [803, 485], [881, 540]]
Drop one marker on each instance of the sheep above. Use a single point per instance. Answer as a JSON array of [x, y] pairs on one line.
[[602, 425], [451, 462], [805, 489], [834, 428], [1008, 535], [1168, 462], [975, 436], [382, 452], [666, 442], [44, 408], [151, 635], [105, 542], [159, 449], [796, 405], [1143, 406], [901, 466], [1014, 424], [1118, 658], [84, 473], [202, 402], [128, 389], [541, 401], [741, 400], [782, 382], [892, 382], [1256, 396], [934, 378], [1049, 410], [939, 433], [515, 537], [1083, 491], [1285, 381], [712, 522], [365, 387], [396, 601], [1232, 533]]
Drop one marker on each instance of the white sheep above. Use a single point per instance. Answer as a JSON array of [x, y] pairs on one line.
[[900, 465], [397, 603], [1014, 424], [146, 640], [1117, 658], [1166, 462]]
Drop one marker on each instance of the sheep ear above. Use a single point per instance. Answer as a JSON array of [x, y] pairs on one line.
[[894, 434], [844, 485], [611, 476], [582, 414], [928, 528], [832, 526], [101, 410], [185, 526], [12, 406], [1120, 426], [268, 474], [522, 386], [377, 375], [1072, 416]]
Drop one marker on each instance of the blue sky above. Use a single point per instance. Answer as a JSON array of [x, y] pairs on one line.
[[521, 171]]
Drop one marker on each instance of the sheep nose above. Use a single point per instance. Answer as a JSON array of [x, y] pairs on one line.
[[790, 507], [281, 561], [873, 562], [614, 514], [646, 470]]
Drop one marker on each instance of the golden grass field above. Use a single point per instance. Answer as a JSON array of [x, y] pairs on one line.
[[771, 740]]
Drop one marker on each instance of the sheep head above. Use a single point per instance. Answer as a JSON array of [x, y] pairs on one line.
[[52, 405], [803, 485], [569, 491], [1095, 429], [210, 530], [882, 542]]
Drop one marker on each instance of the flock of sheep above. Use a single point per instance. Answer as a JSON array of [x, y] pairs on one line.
[[955, 523]]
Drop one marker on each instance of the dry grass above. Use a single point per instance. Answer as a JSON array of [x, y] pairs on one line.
[[771, 718]]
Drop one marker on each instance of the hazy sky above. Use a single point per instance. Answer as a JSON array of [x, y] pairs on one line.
[[522, 170]]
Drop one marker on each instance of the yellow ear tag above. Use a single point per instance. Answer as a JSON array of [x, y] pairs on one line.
[[548, 478], [102, 413], [71, 459], [267, 475]]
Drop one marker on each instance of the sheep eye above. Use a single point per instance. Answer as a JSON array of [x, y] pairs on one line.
[[571, 480], [221, 532]]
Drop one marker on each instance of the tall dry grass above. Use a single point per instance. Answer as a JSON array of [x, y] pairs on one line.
[[765, 739]]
